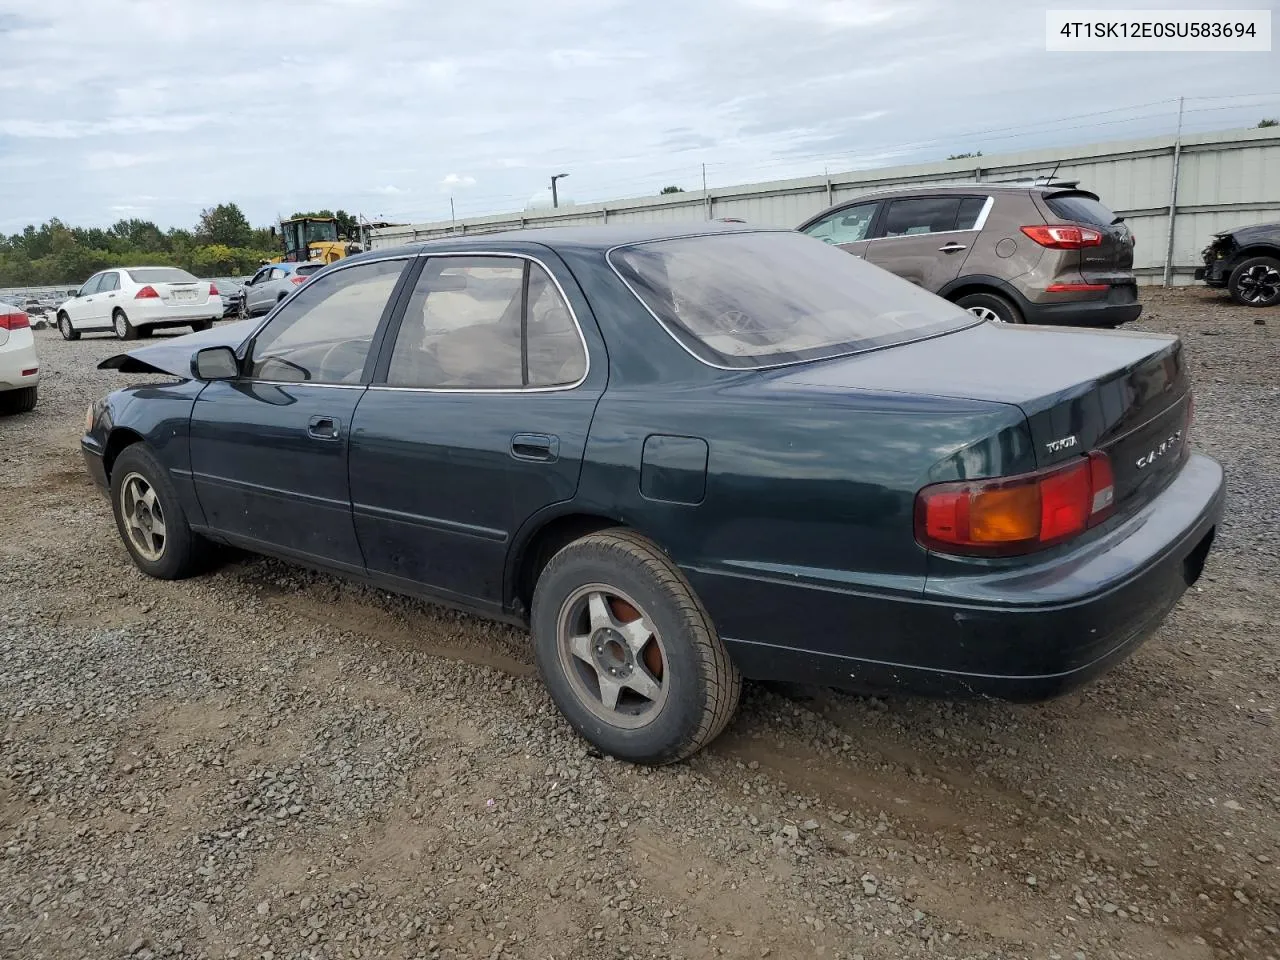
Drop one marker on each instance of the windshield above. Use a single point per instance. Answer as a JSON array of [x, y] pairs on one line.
[[321, 230], [306, 268], [1080, 208], [160, 275], [761, 299]]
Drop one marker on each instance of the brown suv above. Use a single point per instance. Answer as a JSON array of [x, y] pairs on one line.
[[1013, 252]]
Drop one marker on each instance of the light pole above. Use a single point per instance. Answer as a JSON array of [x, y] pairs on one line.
[[555, 198]]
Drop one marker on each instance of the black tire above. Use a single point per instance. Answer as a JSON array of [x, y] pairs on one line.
[[699, 684], [121, 325], [181, 552], [991, 306], [200, 326], [22, 400], [1256, 282], [65, 328]]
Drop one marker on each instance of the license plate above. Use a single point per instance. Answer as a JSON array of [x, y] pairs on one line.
[[182, 295]]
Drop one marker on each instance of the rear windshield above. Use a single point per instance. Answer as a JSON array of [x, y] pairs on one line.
[[160, 275], [762, 299], [306, 268], [1081, 208]]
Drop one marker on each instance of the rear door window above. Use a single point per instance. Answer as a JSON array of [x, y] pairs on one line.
[[1080, 208], [915, 215], [110, 281], [970, 210]]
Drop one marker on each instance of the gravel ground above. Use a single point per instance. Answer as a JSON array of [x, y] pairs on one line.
[[269, 763]]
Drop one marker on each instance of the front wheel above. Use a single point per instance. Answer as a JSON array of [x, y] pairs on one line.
[[150, 518], [627, 651], [123, 328], [64, 327], [1256, 282], [990, 306]]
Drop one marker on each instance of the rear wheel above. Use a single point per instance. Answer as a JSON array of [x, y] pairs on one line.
[[627, 651], [1256, 282], [65, 328], [150, 518], [990, 306], [18, 401], [123, 328]]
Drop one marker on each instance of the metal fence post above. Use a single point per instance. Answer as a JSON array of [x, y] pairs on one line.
[[1173, 196]]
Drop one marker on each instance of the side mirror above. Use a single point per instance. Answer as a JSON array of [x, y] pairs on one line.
[[215, 363]]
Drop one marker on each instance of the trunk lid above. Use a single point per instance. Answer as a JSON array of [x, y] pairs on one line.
[[1124, 393], [182, 293], [1112, 260]]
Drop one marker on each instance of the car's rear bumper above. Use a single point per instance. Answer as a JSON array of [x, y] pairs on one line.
[[157, 313], [1120, 305], [19, 366], [1025, 634]]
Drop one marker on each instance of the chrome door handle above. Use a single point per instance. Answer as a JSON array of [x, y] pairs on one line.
[[323, 428], [952, 247]]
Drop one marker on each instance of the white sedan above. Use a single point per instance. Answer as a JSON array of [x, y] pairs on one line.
[[137, 300], [19, 368]]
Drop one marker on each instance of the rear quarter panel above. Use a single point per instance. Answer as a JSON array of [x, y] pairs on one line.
[[804, 534]]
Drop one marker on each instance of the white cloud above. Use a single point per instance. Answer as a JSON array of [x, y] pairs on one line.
[[190, 103]]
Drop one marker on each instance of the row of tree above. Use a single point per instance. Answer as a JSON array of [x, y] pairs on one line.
[[221, 243]]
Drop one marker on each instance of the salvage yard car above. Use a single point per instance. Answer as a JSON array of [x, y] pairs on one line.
[[682, 457], [134, 301], [19, 366], [1247, 262], [1040, 252]]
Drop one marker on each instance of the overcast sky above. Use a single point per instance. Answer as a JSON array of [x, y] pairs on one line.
[[157, 108]]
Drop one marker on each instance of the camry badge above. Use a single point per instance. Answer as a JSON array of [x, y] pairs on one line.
[[1159, 450]]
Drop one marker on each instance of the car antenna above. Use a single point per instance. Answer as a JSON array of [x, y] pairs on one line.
[[1054, 172]]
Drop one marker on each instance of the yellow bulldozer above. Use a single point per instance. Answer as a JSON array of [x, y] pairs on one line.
[[313, 238]]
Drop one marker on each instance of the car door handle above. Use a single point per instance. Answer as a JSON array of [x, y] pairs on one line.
[[952, 247], [535, 446], [324, 428]]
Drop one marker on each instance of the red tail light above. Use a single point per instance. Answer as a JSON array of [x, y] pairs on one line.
[[146, 293], [213, 291], [1063, 236], [298, 278], [1015, 515], [14, 321]]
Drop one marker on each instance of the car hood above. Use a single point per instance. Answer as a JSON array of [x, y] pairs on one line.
[[1246, 235], [174, 356]]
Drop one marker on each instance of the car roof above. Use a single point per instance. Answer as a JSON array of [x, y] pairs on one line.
[[601, 237]]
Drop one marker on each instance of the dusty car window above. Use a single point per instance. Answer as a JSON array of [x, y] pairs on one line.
[[920, 215], [323, 334], [462, 328], [970, 210], [764, 298], [845, 226]]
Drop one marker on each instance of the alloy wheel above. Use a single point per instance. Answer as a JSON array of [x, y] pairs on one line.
[[1260, 284], [613, 656], [986, 313], [121, 325], [143, 517]]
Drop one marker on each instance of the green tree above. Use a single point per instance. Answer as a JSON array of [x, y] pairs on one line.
[[225, 224], [1267, 122], [671, 189], [964, 156]]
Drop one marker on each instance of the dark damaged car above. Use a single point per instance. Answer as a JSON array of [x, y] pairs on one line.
[[1246, 261], [682, 457]]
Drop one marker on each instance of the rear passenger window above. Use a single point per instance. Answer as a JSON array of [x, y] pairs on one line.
[[970, 210], [920, 215], [486, 323]]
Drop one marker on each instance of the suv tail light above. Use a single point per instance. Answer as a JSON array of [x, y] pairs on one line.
[[14, 321], [146, 293], [1061, 236], [1016, 515], [298, 279]]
